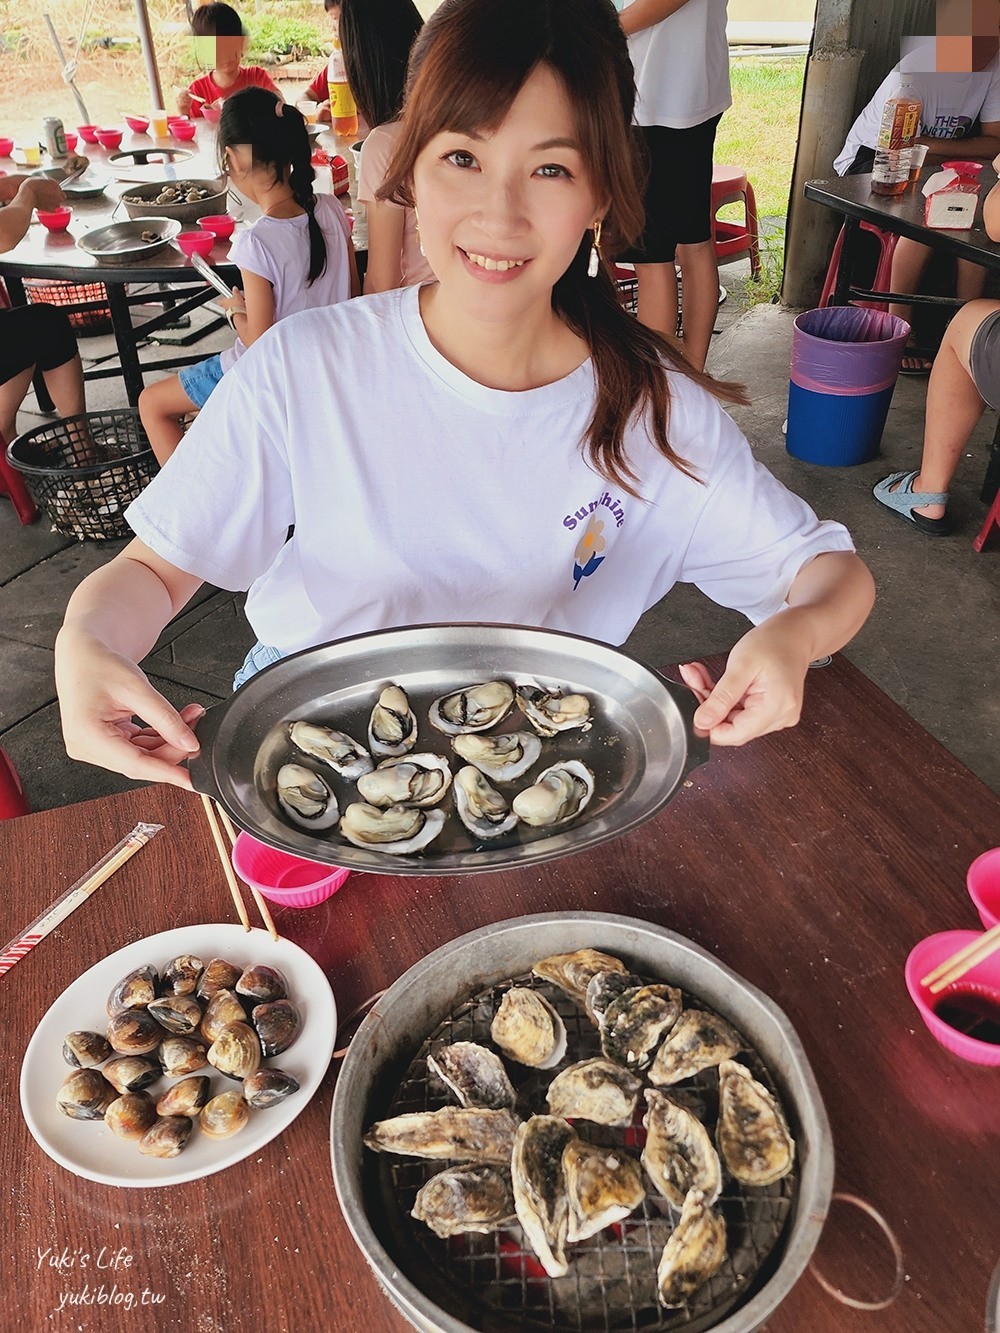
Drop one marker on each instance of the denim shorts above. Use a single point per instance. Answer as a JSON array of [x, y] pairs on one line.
[[259, 657], [199, 380]]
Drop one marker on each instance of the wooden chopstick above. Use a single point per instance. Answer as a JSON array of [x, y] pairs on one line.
[[962, 961], [227, 865], [262, 906]]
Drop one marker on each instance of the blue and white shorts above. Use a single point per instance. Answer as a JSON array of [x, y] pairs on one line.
[[199, 380], [259, 657]]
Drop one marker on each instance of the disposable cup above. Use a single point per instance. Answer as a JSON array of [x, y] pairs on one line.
[[32, 154], [917, 155], [158, 127], [310, 110]]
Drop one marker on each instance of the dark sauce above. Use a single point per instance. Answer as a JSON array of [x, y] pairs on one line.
[[972, 1011]]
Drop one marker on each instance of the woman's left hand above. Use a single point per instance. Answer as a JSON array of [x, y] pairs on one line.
[[760, 690]]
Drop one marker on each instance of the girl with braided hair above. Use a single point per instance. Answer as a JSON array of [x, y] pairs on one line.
[[296, 256]]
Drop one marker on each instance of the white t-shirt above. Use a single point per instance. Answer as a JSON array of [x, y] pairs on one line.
[[951, 102], [419, 495], [277, 249], [376, 152], [682, 66]]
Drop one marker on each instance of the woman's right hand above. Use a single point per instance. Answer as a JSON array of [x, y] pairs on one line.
[[100, 693]]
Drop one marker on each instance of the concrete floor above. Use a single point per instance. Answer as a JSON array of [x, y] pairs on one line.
[[932, 642]]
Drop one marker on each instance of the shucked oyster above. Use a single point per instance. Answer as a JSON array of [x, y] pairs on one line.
[[413, 779], [632, 1026], [529, 1029], [475, 1075], [550, 713], [481, 808], [392, 728], [344, 755], [696, 1249], [399, 830], [476, 708], [678, 1154], [603, 1185], [503, 758], [573, 972], [558, 795], [596, 1090], [466, 1198], [460, 1133], [752, 1135], [305, 798], [698, 1040], [539, 1180]]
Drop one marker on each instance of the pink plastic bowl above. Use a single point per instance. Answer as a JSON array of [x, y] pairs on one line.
[[289, 880], [183, 131], [211, 113], [109, 138], [926, 956], [220, 224], [138, 124], [71, 141], [88, 133], [983, 880], [6, 147], [196, 242], [55, 219]]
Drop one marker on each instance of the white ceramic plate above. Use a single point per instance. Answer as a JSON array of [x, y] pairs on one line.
[[88, 1148]]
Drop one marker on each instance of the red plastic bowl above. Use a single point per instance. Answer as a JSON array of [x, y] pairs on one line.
[[219, 224], [196, 242], [983, 880], [109, 138], [88, 133], [967, 167], [289, 880], [985, 977], [6, 147], [139, 124], [183, 131], [71, 141], [211, 113], [55, 219]]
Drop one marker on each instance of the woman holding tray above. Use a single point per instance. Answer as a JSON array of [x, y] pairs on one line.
[[506, 444]]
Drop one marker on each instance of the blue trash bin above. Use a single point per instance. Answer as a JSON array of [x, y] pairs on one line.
[[845, 362]]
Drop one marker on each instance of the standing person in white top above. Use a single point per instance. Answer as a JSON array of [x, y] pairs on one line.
[[491, 446], [957, 102], [297, 255], [681, 59]]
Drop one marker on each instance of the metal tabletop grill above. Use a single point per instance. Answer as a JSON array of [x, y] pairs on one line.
[[611, 1284]]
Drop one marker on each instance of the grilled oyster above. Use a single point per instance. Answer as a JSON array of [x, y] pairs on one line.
[[678, 1154], [481, 808], [459, 1133], [392, 727], [596, 1090], [632, 1025], [603, 1186], [466, 1198], [503, 758], [696, 1041], [399, 830], [415, 779], [475, 708], [573, 972], [343, 754], [558, 795], [305, 797], [539, 1180], [527, 1027], [752, 1133], [475, 1075], [696, 1249], [552, 712], [604, 987]]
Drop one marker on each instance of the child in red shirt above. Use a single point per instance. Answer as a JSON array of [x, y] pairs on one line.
[[219, 32]]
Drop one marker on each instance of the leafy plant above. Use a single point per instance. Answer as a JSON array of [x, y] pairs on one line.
[[765, 289], [277, 35]]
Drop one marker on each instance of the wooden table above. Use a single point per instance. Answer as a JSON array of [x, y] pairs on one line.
[[810, 862]]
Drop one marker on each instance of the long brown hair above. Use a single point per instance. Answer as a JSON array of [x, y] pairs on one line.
[[468, 64]]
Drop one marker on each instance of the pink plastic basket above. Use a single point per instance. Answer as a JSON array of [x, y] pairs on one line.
[[288, 880]]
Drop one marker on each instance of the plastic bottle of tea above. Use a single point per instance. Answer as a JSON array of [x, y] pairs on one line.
[[897, 135]]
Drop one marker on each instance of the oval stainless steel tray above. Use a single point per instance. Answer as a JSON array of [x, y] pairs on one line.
[[121, 242], [640, 748]]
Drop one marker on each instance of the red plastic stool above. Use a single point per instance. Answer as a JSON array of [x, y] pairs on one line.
[[992, 523], [12, 798], [730, 186], [882, 282], [12, 485], [628, 286]]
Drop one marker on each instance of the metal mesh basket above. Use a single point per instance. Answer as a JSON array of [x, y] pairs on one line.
[[94, 320], [83, 471]]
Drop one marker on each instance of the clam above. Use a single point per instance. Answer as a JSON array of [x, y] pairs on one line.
[[83, 1049], [130, 1115], [392, 728], [134, 991], [751, 1132], [539, 1181], [132, 1073], [416, 779], [85, 1095], [167, 1137], [475, 708], [134, 1032], [633, 1025], [181, 975], [186, 1097], [182, 1055], [503, 758], [267, 1087], [343, 754], [466, 1198], [277, 1024], [529, 1029], [603, 1186], [177, 1013], [262, 984], [236, 1051], [552, 712], [558, 795], [223, 1008], [305, 797], [596, 1090], [696, 1249], [474, 1074], [573, 972], [224, 1115], [481, 808], [399, 830], [698, 1040], [678, 1153], [464, 1134], [219, 975]]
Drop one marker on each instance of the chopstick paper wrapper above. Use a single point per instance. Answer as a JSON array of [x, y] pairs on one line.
[[76, 894]]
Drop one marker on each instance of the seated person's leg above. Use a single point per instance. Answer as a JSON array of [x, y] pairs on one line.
[[162, 405], [37, 335], [909, 260]]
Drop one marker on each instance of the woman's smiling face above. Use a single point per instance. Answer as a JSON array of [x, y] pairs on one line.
[[501, 214]]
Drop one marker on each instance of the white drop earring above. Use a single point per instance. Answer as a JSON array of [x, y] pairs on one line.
[[594, 263]]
